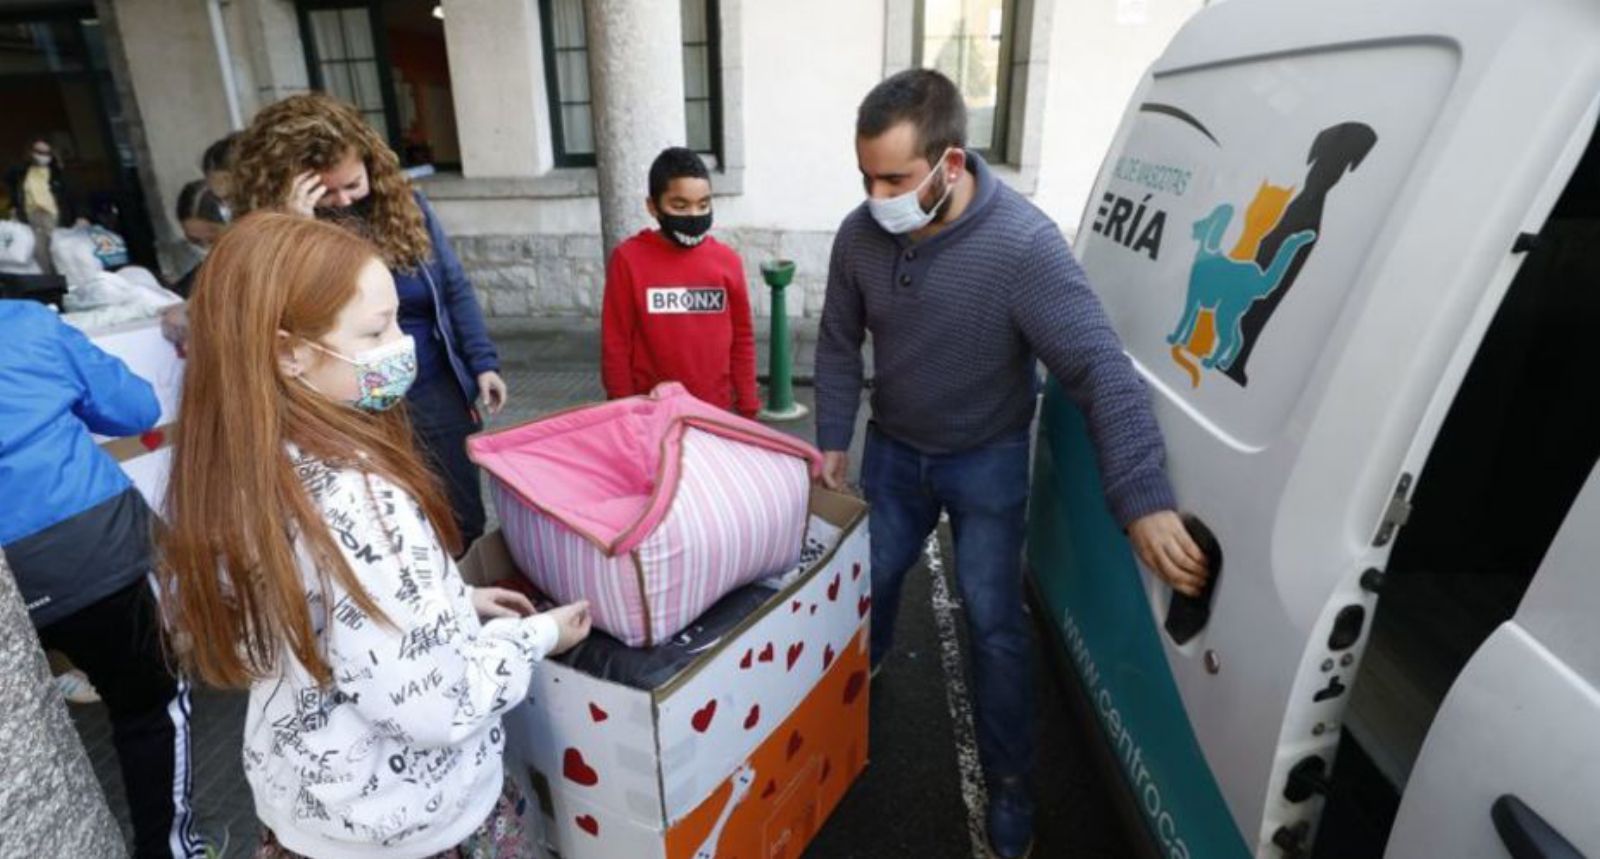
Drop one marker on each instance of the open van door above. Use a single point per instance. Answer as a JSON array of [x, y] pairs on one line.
[[1510, 763], [1301, 233]]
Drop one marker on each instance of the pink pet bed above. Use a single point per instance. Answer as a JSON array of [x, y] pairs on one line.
[[652, 508]]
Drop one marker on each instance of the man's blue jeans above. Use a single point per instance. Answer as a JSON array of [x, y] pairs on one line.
[[985, 491]]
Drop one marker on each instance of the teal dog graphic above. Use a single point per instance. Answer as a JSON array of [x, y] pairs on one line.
[[1227, 287]]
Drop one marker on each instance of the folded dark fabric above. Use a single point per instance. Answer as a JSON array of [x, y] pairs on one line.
[[649, 668]]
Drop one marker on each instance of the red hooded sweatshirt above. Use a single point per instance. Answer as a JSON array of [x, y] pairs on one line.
[[675, 314]]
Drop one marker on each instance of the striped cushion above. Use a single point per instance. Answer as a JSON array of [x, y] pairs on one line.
[[739, 515]]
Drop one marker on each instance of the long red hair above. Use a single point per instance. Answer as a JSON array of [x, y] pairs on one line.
[[236, 599]]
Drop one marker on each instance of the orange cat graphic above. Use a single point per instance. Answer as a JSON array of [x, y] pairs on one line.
[[1261, 216]]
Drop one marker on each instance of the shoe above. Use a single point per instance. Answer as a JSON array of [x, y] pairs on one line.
[[1010, 819], [76, 688]]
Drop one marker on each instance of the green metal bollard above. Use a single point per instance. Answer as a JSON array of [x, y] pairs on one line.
[[781, 406]]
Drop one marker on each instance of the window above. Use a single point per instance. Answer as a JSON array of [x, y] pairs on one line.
[[970, 42], [387, 58], [346, 61], [566, 51], [566, 62], [702, 81]]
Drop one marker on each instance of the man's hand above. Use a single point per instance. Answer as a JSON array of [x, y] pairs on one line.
[[492, 389], [1166, 549], [500, 602], [835, 467]]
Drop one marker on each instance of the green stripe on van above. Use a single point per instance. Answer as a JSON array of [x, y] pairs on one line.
[[1086, 574]]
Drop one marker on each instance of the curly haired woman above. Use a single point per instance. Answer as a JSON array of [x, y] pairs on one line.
[[316, 156]]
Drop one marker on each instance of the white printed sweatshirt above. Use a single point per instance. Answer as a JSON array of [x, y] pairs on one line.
[[400, 756]]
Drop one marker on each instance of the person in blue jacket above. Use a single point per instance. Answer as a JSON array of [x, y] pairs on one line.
[[76, 535], [316, 156]]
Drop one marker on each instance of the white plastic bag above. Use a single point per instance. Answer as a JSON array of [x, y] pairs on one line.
[[16, 249], [112, 298], [73, 252]]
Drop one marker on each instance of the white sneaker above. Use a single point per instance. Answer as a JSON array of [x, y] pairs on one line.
[[76, 688]]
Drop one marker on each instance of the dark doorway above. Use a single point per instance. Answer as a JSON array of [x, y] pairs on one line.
[[55, 83]]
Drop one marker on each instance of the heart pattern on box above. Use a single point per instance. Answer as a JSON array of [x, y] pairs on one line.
[[577, 770], [738, 703], [853, 686], [701, 721]]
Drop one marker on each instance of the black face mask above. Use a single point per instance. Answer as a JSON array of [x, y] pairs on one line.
[[685, 230], [360, 210]]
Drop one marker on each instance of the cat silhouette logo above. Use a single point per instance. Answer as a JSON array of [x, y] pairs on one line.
[[1232, 295]]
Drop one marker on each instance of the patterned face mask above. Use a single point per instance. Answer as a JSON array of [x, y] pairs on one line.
[[383, 374]]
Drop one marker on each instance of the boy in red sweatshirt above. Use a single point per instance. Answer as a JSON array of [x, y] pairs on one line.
[[676, 306]]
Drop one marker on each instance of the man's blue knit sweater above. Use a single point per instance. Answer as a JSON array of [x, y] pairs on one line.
[[957, 321]]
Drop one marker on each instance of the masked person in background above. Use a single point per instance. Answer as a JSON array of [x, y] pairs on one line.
[[315, 156], [676, 306], [216, 163], [200, 218], [41, 198]]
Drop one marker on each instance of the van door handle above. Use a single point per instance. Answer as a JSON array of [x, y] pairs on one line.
[[1525, 834], [1187, 615]]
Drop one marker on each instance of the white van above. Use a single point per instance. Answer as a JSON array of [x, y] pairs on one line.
[[1354, 249]]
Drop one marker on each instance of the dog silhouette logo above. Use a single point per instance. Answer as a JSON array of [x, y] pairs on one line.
[[1232, 295]]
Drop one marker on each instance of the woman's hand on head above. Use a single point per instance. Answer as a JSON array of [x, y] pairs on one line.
[[304, 194], [500, 602]]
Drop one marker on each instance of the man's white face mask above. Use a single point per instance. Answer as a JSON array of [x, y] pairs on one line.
[[903, 213]]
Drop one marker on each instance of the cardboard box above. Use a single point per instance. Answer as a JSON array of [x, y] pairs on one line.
[[147, 457], [743, 754]]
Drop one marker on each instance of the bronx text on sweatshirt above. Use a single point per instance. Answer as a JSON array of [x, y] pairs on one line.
[[400, 756], [675, 314], [958, 321]]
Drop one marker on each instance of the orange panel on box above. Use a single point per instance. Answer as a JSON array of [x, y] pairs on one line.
[[772, 807]]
